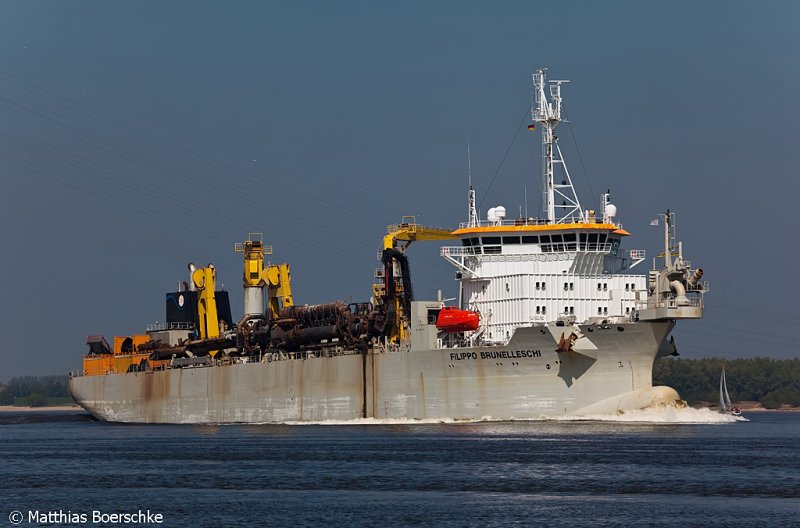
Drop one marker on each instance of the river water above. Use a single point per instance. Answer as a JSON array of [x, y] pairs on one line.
[[662, 468]]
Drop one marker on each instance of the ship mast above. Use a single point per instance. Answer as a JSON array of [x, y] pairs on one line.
[[548, 114], [472, 208]]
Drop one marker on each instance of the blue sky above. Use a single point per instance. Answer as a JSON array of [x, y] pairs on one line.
[[139, 136]]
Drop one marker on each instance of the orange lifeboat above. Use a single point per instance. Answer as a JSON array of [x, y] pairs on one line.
[[452, 319]]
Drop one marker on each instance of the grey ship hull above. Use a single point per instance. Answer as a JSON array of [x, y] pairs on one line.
[[609, 369]]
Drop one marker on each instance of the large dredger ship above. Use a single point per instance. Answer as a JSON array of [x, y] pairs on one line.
[[550, 320]]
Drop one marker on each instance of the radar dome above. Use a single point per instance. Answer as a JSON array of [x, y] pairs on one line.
[[500, 211], [611, 210], [491, 214]]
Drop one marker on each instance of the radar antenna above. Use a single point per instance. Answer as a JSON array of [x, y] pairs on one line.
[[548, 114]]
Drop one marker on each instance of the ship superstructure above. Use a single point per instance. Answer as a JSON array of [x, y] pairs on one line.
[[551, 320], [568, 266]]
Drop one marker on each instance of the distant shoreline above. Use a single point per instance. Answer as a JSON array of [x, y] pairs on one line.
[[747, 407], [20, 408]]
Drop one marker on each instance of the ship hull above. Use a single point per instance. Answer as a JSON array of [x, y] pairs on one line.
[[608, 369]]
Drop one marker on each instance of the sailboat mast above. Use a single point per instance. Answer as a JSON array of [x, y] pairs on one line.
[[728, 403]]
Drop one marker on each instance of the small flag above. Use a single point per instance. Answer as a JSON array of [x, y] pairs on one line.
[[654, 222], [531, 127]]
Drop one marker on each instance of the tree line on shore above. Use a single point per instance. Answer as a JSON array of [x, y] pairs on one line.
[[35, 391], [771, 382]]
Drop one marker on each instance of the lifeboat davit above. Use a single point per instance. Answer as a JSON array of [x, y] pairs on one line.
[[452, 319]]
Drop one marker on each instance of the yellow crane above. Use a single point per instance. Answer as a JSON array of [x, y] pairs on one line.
[[409, 231], [276, 278], [397, 295], [204, 280]]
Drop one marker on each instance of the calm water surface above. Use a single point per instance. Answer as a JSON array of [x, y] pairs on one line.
[[547, 473]]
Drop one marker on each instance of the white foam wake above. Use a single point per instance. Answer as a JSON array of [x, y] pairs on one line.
[[387, 421], [653, 415], [661, 415]]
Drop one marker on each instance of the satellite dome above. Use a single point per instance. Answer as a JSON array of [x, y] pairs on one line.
[[611, 210]]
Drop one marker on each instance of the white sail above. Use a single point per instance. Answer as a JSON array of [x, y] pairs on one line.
[[724, 398]]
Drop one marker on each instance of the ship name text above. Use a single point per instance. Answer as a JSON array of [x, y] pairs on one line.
[[496, 354]]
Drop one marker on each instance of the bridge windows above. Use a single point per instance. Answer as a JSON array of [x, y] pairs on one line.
[[491, 249], [547, 243]]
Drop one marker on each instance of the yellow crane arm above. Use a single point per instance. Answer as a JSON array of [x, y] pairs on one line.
[[204, 280], [279, 287], [409, 231]]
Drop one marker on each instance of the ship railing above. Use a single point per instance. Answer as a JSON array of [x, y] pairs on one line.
[[634, 254], [457, 251], [670, 302], [413, 226], [160, 327], [75, 373], [532, 222], [512, 222], [327, 352], [700, 287]]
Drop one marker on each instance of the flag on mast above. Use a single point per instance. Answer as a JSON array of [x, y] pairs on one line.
[[654, 222]]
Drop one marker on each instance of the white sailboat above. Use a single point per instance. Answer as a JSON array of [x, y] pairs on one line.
[[725, 405]]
